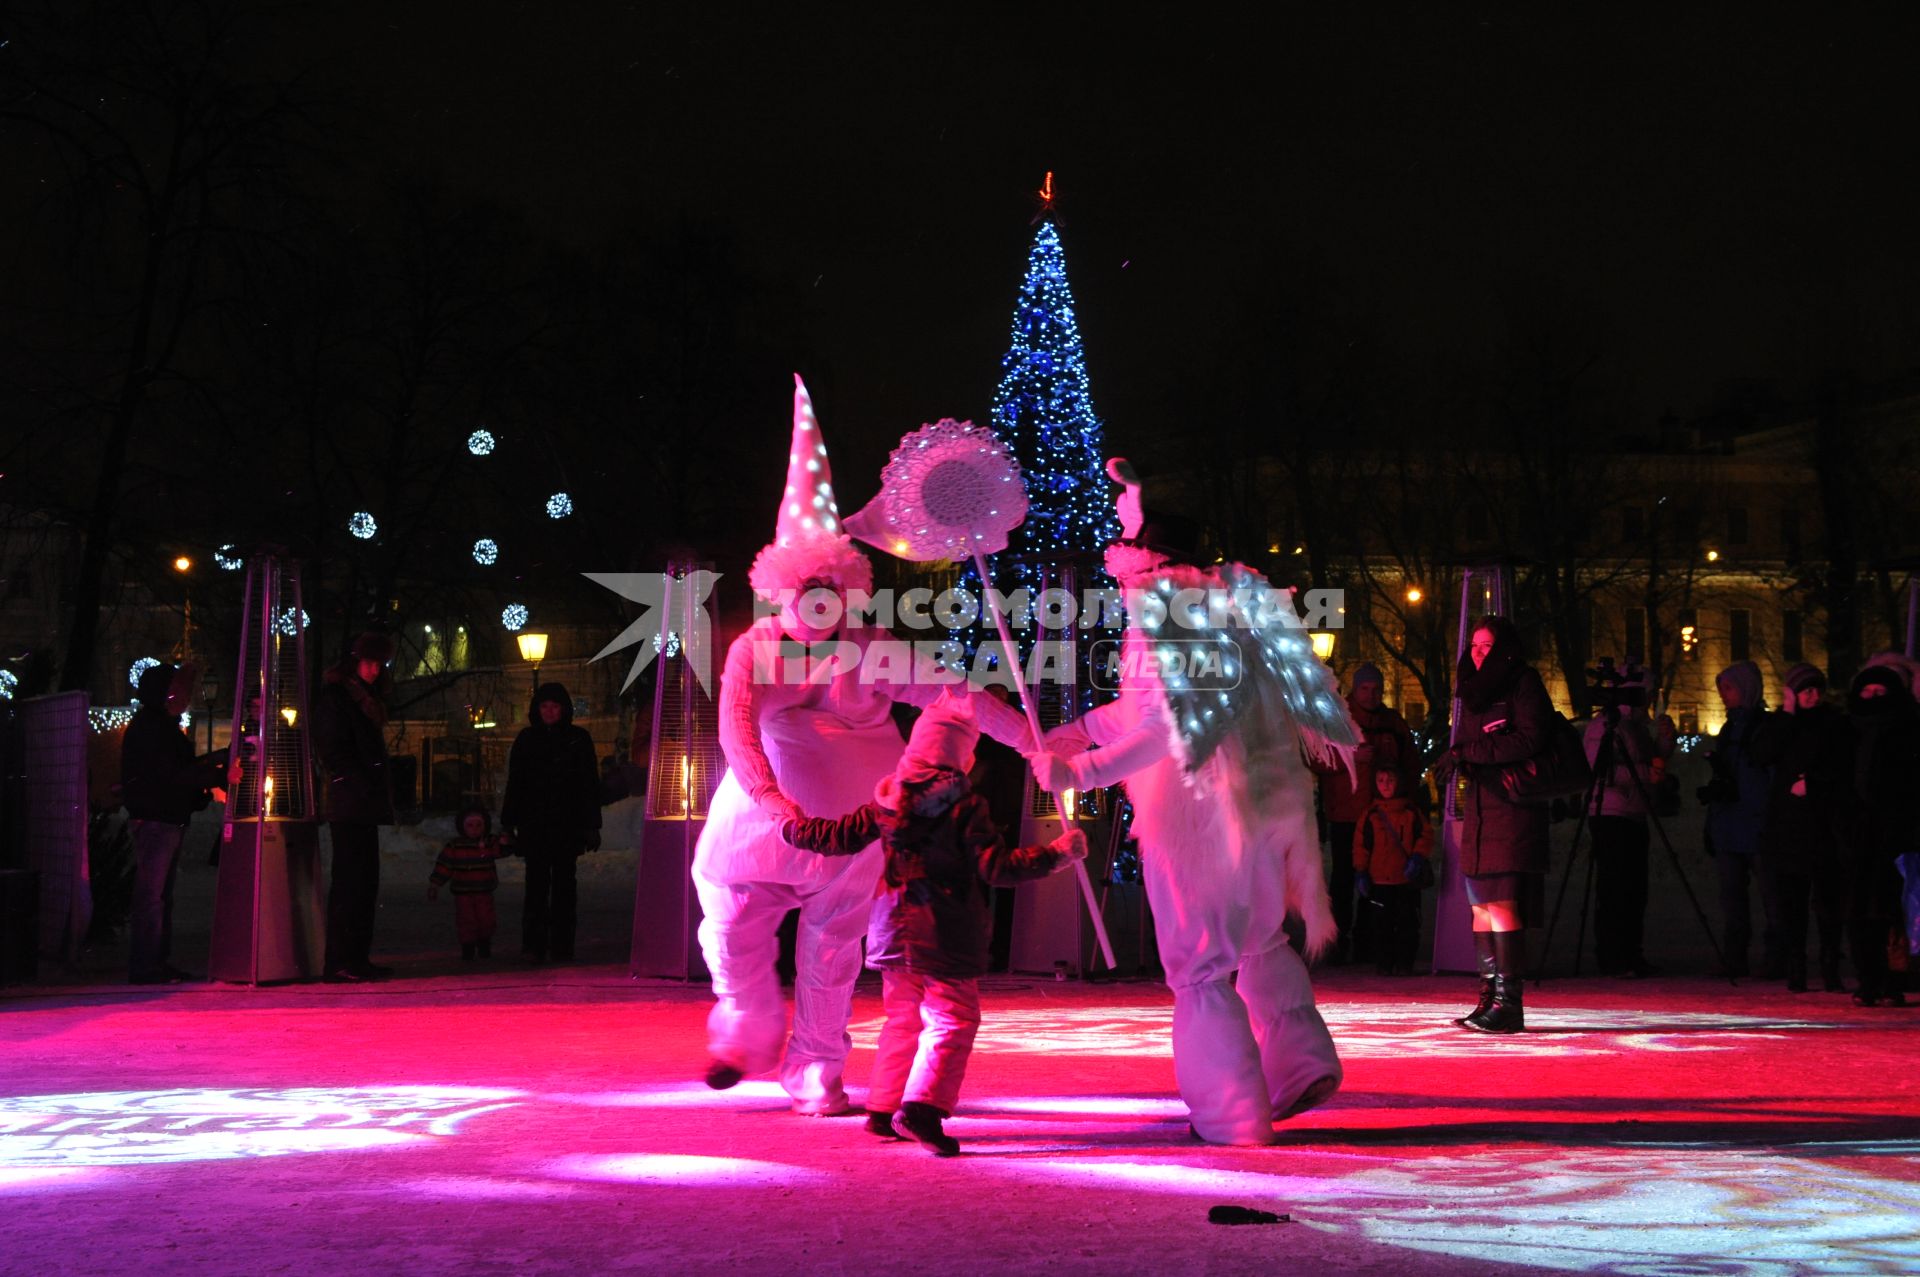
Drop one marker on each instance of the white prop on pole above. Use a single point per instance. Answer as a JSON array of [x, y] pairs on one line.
[[950, 491]]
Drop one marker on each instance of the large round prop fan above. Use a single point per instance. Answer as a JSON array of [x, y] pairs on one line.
[[950, 491]]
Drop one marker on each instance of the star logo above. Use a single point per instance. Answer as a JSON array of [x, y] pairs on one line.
[[675, 620]]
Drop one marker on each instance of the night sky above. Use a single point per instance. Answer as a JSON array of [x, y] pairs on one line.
[[1697, 197]]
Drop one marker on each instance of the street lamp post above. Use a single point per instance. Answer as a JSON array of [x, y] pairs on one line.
[[209, 689], [533, 649]]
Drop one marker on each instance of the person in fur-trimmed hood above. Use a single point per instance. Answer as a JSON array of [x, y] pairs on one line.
[[350, 736], [1227, 854], [931, 925], [552, 812]]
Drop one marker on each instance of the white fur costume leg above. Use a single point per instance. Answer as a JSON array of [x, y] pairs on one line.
[[739, 935], [827, 963], [1296, 1051]]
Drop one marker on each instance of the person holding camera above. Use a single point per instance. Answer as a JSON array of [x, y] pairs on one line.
[[1505, 718], [1809, 744], [1736, 801], [162, 784], [1618, 817]]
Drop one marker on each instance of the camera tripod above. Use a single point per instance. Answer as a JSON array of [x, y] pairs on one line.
[[1613, 751]]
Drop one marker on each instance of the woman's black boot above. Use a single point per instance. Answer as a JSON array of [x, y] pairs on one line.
[[1504, 1013], [1483, 951]]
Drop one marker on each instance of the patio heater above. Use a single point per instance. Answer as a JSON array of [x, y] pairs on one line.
[[267, 916], [684, 768]]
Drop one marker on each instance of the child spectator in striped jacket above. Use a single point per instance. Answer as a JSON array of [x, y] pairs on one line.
[[466, 864]]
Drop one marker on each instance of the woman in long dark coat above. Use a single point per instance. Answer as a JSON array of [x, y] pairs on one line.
[[1505, 717], [1886, 767]]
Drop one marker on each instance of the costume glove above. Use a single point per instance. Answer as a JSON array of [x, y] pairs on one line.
[[1071, 845], [1052, 772]]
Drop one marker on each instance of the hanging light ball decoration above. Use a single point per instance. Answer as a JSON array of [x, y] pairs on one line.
[[362, 526], [9, 684], [139, 667], [227, 558], [290, 625], [480, 442], [486, 551], [514, 616], [559, 506]]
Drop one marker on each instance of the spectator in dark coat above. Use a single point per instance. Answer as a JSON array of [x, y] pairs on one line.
[[162, 784], [1886, 768], [1736, 802], [1505, 717], [1386, 744], [1809, 745], [350, 735], [552, 811]]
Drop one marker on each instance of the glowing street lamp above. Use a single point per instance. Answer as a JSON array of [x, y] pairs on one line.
[[183, 565], [533, 650], [1415, 594], [1323, 641]]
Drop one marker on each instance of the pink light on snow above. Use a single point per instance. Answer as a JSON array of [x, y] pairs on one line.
[[749, 1095], [122, 1128], [685, 1170]]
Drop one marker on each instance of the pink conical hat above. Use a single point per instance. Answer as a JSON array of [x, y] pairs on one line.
[[809, 540], [808, 503]]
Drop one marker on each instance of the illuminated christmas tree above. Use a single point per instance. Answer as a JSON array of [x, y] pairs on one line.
[[1043, 412]]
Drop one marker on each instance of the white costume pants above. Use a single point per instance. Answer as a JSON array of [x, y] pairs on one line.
[[925, 1042], [1244, 1055], [1248, 1042], [739, 935]]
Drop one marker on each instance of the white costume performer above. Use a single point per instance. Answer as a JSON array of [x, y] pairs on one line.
[[1223, 809], [815, 746]]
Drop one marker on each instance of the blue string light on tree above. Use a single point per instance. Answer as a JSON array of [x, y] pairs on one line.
[[514, 616], [486, 552], [9, 684], [559, 506], [480, 443], [227, 558], [362, 526]]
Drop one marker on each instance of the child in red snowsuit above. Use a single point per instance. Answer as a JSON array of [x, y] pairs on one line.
[[1392, 849], [932, 922], [467, 864]]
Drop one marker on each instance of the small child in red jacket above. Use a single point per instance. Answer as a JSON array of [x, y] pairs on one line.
[[1392, 851], [467, 863], [932, 922]]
